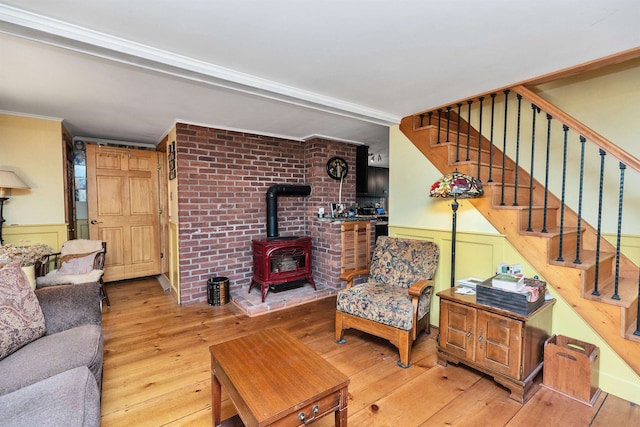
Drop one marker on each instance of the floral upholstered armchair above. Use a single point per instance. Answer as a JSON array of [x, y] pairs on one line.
[[395, 301]]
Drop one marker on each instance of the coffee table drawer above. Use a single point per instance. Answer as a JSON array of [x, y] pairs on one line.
[[312, 411]]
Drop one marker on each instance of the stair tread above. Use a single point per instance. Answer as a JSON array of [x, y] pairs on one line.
[[463, 145], [555, 231], [627, 291], [587, 259], [526, 207], [552, 232], [630, 334], [506, 184]]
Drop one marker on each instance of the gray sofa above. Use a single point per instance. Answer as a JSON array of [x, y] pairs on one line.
[[56, 379]]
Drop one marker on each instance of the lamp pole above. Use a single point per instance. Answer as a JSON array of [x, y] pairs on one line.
[[454, 208], [2, 199]]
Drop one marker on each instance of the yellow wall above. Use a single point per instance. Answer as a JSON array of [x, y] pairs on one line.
[[53, 235], [33, 148], [605, 100], [479, 248], [174, 264]]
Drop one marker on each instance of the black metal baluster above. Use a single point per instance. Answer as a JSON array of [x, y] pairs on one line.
[[481, 99], [448, 122], [430, 114], [535, 110], [515, 187], [504, 145], [493, 107], [421, 120], [580, 189], [469, 102], [459, 105], [615, 291], [439, 123], [565, 128], [546, 176], [600, 194]]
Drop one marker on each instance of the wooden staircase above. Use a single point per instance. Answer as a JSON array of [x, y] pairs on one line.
[[536, 234]]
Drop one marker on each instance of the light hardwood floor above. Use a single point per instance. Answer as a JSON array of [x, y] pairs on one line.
[[157, 371]]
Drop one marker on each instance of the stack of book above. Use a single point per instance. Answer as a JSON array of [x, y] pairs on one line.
[[508, 282]]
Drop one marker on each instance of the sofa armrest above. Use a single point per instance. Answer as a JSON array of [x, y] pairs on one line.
[[68, 306]]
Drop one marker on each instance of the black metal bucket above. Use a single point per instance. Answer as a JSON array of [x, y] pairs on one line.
[[218, 290]]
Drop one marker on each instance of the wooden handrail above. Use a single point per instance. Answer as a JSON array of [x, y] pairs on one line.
[[627, 55], [575, 125]]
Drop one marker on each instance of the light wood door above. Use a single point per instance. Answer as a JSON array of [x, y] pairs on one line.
[[499, 343], [457, 329], [122, 186]]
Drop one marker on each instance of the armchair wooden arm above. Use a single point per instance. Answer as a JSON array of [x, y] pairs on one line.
[[416, 289], [348, 276], [47, 263]]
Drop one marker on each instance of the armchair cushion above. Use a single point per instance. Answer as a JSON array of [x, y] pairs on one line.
[[56, 278], [402, 262], [77, 264], [384, 304]]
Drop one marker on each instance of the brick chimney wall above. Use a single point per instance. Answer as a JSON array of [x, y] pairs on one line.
[[223, 177]]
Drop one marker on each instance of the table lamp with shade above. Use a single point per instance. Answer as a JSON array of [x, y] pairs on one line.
[[456, 185], [8, 181]]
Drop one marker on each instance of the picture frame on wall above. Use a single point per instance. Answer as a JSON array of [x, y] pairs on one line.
[[172, 160]]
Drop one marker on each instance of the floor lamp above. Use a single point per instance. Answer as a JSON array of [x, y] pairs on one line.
[[8, 180], [456, 185]]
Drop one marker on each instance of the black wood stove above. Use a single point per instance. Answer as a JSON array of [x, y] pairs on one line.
[[279, 261]]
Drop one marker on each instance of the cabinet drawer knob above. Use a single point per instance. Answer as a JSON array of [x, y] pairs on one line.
[[306, 420]]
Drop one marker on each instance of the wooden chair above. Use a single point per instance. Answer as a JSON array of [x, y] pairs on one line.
[[395, 301], [79, 261]]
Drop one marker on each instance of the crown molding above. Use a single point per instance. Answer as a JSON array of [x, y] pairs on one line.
[[39, 28], [32, 116]]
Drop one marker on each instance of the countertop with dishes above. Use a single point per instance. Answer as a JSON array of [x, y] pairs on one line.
[[378, 218]]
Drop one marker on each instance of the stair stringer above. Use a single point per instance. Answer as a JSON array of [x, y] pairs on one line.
[[611, 322]]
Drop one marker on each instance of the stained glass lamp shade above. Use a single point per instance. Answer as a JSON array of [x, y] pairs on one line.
[[456, 185]]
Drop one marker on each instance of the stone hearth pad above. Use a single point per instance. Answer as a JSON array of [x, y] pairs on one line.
[[252, 305]]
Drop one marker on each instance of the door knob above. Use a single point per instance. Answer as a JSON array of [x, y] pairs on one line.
[[94, 222]]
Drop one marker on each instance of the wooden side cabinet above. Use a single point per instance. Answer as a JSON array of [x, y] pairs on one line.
[[505, 345]]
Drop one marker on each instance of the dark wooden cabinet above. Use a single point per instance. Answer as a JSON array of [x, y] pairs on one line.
[[505, 345], [362, 169], [378, 182]]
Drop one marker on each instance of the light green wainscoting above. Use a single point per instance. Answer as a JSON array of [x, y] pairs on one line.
[[53, 235], [478, 255]]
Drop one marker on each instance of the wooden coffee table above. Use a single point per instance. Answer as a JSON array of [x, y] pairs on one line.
[[272, 378]]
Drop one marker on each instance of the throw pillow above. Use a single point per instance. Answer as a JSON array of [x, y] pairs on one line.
[[77, 264], [21, 318]]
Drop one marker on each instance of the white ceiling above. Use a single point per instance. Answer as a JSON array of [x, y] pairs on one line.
[[342, 69]]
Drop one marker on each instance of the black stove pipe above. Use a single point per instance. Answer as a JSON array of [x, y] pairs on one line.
[[272, 202]]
